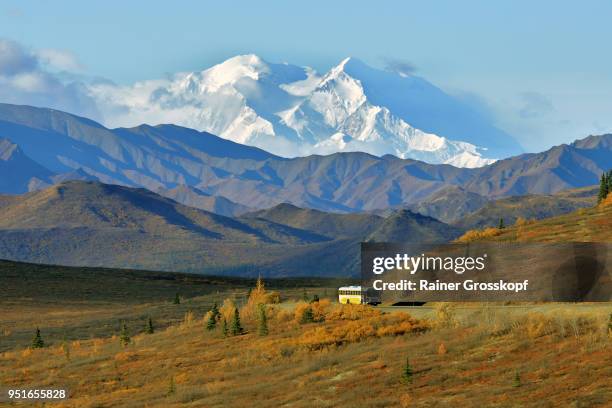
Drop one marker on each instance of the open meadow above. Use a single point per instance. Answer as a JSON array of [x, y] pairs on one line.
[[311, 353]]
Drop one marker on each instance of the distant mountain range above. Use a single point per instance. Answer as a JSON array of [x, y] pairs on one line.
[[85, 223], [166, 157], [293, 111], [45, 146]]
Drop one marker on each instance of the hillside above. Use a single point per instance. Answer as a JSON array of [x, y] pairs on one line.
[[117, 226], [355, 226], [17, 171], [592, 224], [166, 156], [193, 197], [530, 207], [449, 204], [406, 226]]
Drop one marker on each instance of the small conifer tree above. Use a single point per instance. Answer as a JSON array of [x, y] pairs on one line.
[[517, 380], [177, 299], [171, 386], [215, 311], [211, 324], [149, 328], [224, 327], [502, 225], [603, 187], [66, 347], [37, 341], [307, 316], [407, 372], [305, 296], [124, 337], [262, 321], [236, 327]]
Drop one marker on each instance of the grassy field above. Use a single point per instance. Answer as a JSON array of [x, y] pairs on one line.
[[543, 355], [82, 303]]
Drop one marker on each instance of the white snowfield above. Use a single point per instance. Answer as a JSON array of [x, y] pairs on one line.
[[293, 111]]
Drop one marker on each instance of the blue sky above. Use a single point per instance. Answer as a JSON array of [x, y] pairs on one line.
[[542, 70]]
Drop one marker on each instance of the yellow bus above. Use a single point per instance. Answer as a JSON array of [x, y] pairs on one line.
[[355, 295]]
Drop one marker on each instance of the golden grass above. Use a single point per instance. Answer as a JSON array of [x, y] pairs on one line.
[[353, 356], [585, 225]]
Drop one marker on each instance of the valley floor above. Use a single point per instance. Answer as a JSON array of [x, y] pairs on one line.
[[546, 355]]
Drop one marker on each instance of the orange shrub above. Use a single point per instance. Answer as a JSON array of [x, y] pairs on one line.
[[479, 234], [442, 349], [352, 312], [318, 310], [258, 296], [227, 310], [520, 222], [353, 331]]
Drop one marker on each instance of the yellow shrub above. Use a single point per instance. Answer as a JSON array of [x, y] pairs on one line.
[[318, 313], [441, 349], [479, 234], [283, 316], [227, 310], [520, 222], [259, 295], [607, 201], [352, 312], [353, 331], [445, 315]]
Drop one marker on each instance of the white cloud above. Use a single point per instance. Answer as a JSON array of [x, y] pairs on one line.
[[59, 59], [30, 78]]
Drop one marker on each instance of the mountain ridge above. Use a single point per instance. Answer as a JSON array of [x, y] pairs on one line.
[[110, 225], [166, 157]]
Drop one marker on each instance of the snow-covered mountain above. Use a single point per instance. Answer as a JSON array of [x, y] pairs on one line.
[[293, 111]]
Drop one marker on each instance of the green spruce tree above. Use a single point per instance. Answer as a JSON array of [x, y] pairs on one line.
[[149, 328], [124, 337], [407, 372], [262, 320], [215, 311], [224, 327], [236, 327], [171, 386], [211, 324], [501, 225], [517, 379], [37, 341], [177, 299], [603, 188], [307, 316]]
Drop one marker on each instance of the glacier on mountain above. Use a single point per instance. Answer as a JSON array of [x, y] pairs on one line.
[[293, 111]]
